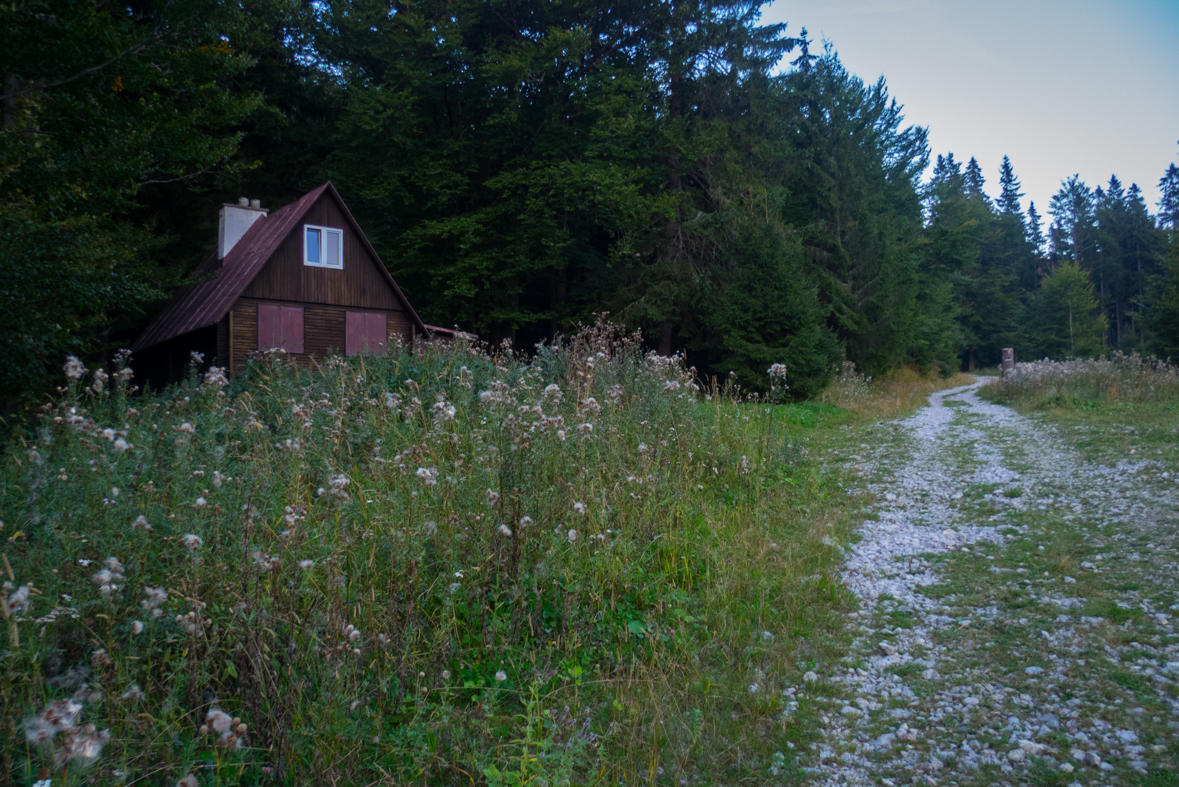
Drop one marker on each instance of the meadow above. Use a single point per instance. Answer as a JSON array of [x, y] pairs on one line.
[[452, 566]]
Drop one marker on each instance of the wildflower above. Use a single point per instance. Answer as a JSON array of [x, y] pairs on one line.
[[141, 523], [100, 378], [579, 507], [201, 503], [443, 411], [186, 427], [428, 475], [82, 745], [121, 445], [589, 405], [553, 391], [446, 674], [501, 676], [777, 371], [18, 601], [492, 496], [354, 636], [155, 598], [196, 358], [505, 531], [306, 564], [74, 369], [218, 479], [572, 536], [642, 448], [188, 781], [58, 716], [266, 562], [100, 658], [525, 521], [229, 729], [136, 627], [671, 385], [392, 400], [215, 378], [105, 581], [192, 542], [132, 693], [585, 428], [191, 624], [561, 434]]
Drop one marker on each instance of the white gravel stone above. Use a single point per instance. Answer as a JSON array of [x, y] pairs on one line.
[[950, 452]]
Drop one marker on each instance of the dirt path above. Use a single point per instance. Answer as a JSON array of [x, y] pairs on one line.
[[1018, 609]]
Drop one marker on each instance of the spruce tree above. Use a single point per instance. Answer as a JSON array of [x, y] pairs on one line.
[[1009, 195], [1035, 227], [1072, 229], [1169, 201], [975, 182]]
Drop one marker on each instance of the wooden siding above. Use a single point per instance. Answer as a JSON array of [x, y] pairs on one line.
[[222, 358], [323, 330], [360, 284]]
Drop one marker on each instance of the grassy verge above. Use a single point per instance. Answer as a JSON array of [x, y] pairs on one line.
[[896, 396], [440, 569]]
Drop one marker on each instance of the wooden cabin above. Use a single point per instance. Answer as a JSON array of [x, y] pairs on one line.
[[303, 278]]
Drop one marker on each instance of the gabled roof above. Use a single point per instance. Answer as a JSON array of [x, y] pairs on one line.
[[201, 305]]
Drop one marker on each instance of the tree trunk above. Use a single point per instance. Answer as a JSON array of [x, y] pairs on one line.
[[665, 338]]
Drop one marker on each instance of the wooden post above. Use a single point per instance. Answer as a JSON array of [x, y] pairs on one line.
[[1008, 360]]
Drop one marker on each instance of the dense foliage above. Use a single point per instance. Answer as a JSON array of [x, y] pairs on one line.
[[434, 568], [522, 166]]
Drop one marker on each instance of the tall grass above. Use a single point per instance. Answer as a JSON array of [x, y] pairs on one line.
[[449, 567], [895, 396], [1117, 378]]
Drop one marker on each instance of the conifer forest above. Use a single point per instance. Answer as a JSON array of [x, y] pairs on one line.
[[727, 187], [715, 484]]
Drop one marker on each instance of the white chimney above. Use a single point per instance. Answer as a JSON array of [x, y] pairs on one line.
[[235, 220]]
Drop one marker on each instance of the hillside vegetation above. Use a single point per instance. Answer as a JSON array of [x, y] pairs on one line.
[[722, 184], [441, 568]]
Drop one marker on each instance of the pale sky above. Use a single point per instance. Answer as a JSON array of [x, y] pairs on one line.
[[1060, 86]]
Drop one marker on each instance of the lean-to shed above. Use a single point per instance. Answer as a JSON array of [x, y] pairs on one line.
[[303, 278]]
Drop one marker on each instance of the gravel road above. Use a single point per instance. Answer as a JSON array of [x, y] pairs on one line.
[[1017, 610]]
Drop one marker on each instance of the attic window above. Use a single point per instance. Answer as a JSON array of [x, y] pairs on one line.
[[323, 247]]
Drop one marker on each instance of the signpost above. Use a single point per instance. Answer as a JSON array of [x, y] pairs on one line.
[[1008, 360]]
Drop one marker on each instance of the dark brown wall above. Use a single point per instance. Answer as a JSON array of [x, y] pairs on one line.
[[323, 329], [360, 283], [166, 362]]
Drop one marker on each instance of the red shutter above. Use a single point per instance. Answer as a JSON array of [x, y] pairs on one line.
[[292, 329], [354, 332], [269, 335], [377, 336]]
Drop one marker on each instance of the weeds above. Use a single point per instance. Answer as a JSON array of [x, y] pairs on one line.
[[1117, 378], [895, 397], [446, 567]]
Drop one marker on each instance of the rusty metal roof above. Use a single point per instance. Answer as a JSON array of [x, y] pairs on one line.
[[200, 305]]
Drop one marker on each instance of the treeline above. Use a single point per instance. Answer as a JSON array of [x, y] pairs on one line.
[[521, 166]]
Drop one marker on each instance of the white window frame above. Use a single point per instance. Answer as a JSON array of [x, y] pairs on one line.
[[323, 234]]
